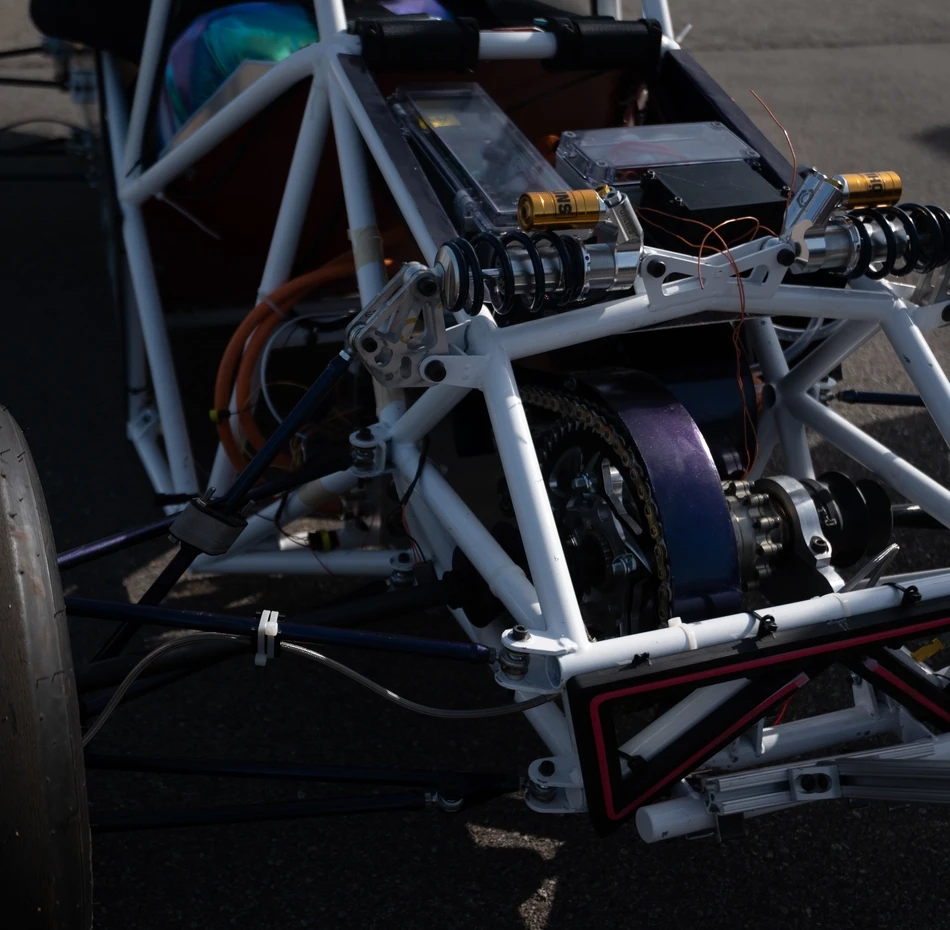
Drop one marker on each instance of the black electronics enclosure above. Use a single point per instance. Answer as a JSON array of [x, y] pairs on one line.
[[709, 194]]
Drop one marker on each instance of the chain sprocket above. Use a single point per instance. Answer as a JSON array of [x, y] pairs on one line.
[[604, 443]]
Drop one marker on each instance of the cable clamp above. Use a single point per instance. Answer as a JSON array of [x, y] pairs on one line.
[[267, 631], [767, 626], [911, 595]]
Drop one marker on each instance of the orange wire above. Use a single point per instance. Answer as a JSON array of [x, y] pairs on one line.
[[737, 329], [791, 148], [283, 297], [782, 712], [251, 357]]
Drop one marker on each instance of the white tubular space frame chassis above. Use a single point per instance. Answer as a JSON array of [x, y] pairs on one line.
[[438, 518]]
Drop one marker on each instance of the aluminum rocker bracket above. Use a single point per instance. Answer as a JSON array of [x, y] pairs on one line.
[[400, 327]]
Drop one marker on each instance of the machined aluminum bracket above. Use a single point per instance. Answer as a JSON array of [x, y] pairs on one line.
[[400, 328], [718, 272]]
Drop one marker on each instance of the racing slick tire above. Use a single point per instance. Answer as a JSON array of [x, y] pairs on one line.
[[45, 849]]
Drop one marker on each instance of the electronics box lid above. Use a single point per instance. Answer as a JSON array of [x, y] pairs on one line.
[[621, 155], [476, 149]]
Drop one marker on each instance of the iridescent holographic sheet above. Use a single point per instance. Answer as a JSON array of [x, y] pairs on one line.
[[216, 44]]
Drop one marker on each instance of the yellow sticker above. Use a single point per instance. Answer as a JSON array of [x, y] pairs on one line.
[[440, 122], [925, 652]]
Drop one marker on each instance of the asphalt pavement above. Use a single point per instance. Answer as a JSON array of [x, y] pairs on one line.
[[859, 87]]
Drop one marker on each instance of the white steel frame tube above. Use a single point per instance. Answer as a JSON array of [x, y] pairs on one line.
[[807, 735], [500, 46], [158, 350], [505, 579], [529, 497], [360, 215], [921, 366], [873, 455], [660, 11], [821, 360], [768, 350], [614, 653], [390, 172], [297, 190], [149, 67]]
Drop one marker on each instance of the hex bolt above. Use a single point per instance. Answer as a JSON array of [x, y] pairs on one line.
[[435, 371], [369, 344], [427, 286], [514, 664], [656, 268], [542, 793], [817, 544], [625, 564], [402, 575], [546, 768], [364, 458], [583, 483]]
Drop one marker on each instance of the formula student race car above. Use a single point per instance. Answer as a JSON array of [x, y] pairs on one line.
[[530, 325]]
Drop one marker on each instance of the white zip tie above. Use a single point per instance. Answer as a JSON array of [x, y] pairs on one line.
[[264, 299], [267, 631], [677, 624]]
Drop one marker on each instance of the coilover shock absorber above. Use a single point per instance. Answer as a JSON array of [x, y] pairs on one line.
[[546, 267], [557, 274], [899, 239], [876, 231]]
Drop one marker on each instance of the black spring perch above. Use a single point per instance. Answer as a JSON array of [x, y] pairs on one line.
[[471, 280], [928, 239]]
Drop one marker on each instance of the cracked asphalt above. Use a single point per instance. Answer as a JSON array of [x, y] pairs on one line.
[[858, 86]]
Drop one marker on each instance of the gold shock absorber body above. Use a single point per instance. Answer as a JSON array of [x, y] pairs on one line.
[[870, 188], [582, 209]]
